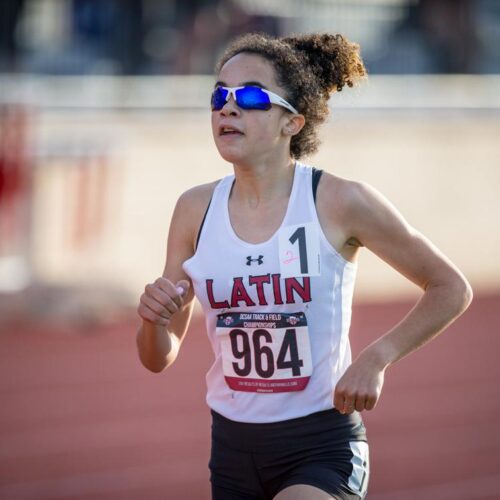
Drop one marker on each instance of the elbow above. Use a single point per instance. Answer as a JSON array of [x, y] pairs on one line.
[[150, 357], [469, 295], [156, 369], [456, 293], [157, 353], [153, 367], [463, 293]]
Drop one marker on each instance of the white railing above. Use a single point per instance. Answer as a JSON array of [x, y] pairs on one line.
[[193, 92]]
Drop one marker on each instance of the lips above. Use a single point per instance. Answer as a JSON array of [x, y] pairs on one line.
[[229, 130]]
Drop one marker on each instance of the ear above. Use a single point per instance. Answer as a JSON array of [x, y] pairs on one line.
[[294, 125]]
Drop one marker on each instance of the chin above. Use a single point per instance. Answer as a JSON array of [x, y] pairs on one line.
[[231, 155]]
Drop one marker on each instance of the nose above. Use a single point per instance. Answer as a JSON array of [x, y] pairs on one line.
[[230, 108]]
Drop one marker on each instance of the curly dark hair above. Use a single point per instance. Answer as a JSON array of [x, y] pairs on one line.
[[309, 67]]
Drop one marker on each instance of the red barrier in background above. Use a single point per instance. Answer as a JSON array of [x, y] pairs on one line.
[[90, 192], [15, 179], [81, 419]]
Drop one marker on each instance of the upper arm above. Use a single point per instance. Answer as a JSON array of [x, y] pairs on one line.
[[376, 223], [184, 226]]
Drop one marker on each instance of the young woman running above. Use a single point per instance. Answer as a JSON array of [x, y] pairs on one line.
[[270, 252]]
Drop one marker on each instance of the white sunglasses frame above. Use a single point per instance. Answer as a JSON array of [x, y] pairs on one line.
[[273, 98]]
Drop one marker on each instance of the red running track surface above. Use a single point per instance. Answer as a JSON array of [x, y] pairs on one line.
[[80, 418]]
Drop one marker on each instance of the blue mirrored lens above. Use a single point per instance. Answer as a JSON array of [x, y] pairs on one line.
[[219, 97], [252, 98]]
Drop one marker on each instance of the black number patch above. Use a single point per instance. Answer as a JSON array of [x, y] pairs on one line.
[[300, 234], [288, 356], [290, 346]]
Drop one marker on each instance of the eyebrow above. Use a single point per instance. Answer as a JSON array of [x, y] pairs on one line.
[[243, 84]]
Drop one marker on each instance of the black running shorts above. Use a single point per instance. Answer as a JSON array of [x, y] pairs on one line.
[[327, 450]]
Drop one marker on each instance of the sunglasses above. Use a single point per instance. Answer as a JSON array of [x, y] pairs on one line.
[[248, 97]]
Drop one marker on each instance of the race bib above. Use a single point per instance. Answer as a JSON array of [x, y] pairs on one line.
[[265, 352]]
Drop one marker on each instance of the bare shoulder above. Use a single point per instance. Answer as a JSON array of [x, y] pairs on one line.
[[193, 203], [357, 206], [335, 201], [190, 209], [197, 198], [344, 194]]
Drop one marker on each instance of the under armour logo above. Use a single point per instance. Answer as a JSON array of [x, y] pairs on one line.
[[259, 260]]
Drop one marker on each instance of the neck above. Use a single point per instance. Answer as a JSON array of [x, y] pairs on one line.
[[263, 182]]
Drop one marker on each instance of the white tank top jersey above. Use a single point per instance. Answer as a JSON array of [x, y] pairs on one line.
[[277, 313]]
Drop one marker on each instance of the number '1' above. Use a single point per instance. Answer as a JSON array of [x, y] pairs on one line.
[[300, 234]]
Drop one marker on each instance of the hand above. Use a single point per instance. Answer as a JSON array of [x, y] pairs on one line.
[[360, 387], [161, 300]]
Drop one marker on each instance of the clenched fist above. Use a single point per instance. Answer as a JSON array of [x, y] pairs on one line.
[[361, 385], [161, 300]]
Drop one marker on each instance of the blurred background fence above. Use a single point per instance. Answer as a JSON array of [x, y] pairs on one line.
[[104, 122]]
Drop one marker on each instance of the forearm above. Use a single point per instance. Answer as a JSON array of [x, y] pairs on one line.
[[157, 346], [438, 307]]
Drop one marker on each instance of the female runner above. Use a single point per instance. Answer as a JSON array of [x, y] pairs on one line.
[[270, 252]]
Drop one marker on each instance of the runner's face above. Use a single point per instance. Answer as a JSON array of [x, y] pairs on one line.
[[257, 135]]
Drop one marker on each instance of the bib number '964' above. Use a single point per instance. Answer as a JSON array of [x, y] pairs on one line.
[[265, 352]]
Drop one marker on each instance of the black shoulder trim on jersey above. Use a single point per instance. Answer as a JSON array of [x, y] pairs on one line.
[[201, 225], [316, 176]]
